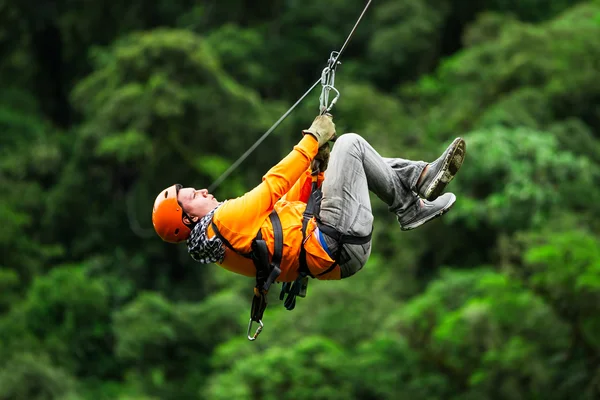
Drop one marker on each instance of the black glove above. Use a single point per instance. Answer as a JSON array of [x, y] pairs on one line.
[[321, 160]]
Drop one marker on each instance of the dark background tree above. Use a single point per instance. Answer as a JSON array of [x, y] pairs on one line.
[[102, 104]]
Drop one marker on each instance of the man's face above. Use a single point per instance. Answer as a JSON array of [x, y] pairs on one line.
[[196, 203]]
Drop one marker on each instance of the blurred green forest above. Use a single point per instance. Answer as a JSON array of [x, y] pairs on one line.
[[104, 103]]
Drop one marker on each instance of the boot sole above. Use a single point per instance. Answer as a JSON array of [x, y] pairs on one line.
[[450, 167], [430, 217]]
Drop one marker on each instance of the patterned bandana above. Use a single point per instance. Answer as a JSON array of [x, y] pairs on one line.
[[200, 247]]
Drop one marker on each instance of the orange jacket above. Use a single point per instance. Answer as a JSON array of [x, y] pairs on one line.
[[285, 188]]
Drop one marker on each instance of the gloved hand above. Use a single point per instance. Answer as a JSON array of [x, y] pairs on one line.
[[322, 128], [322, 158]]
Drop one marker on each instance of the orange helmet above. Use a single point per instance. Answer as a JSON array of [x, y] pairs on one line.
[[167, 216]]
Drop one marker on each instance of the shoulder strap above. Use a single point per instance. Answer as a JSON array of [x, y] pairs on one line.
[[267, 271], [278, 237], [226, 242], [298, 287]]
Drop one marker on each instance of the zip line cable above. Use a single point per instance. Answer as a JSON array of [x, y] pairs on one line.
[[327, 85], [259, 141], [353, 29]]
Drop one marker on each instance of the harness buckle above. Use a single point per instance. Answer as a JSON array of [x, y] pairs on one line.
[[258, 329], [303, 285]]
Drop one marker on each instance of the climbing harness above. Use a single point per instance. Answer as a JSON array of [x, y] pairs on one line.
[[267, 271]]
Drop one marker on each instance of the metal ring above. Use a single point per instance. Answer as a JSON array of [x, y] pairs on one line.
[[258, 330]]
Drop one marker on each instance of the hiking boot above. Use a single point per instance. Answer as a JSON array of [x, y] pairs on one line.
[[424, 211], [440, 172]]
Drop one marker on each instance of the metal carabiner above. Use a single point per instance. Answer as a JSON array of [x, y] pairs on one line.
[[328, 84], [325, 107], [258, 330]]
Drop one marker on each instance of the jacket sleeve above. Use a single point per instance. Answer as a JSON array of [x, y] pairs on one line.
[[240, 219]]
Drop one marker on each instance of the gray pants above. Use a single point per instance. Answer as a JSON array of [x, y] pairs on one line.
[[355, 168]]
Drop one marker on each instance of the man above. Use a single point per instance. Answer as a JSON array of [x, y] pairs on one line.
[[335, 243]]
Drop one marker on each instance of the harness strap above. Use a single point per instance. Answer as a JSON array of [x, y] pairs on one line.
[[341, 238], [278, 236], [226, 242], [266, 271], [299, 286], [270, 269]]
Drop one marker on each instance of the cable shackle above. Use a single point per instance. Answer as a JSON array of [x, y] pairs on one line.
[[328, 83]]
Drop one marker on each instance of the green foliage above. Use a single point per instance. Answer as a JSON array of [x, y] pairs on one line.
[[531, 10], [481, 328], [151, 330], [67, 314], [573, 290], [102, 106], [386, 367], [32, 377], [415, 24], [555, 58], [313, 368], [517, 177], [179, 103], [30, 157]]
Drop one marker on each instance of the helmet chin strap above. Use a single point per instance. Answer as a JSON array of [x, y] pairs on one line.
[[190, 221], [193, 223], [190, 224]]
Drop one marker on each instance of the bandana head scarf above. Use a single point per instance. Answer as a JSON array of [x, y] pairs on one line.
[[200, 247]]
